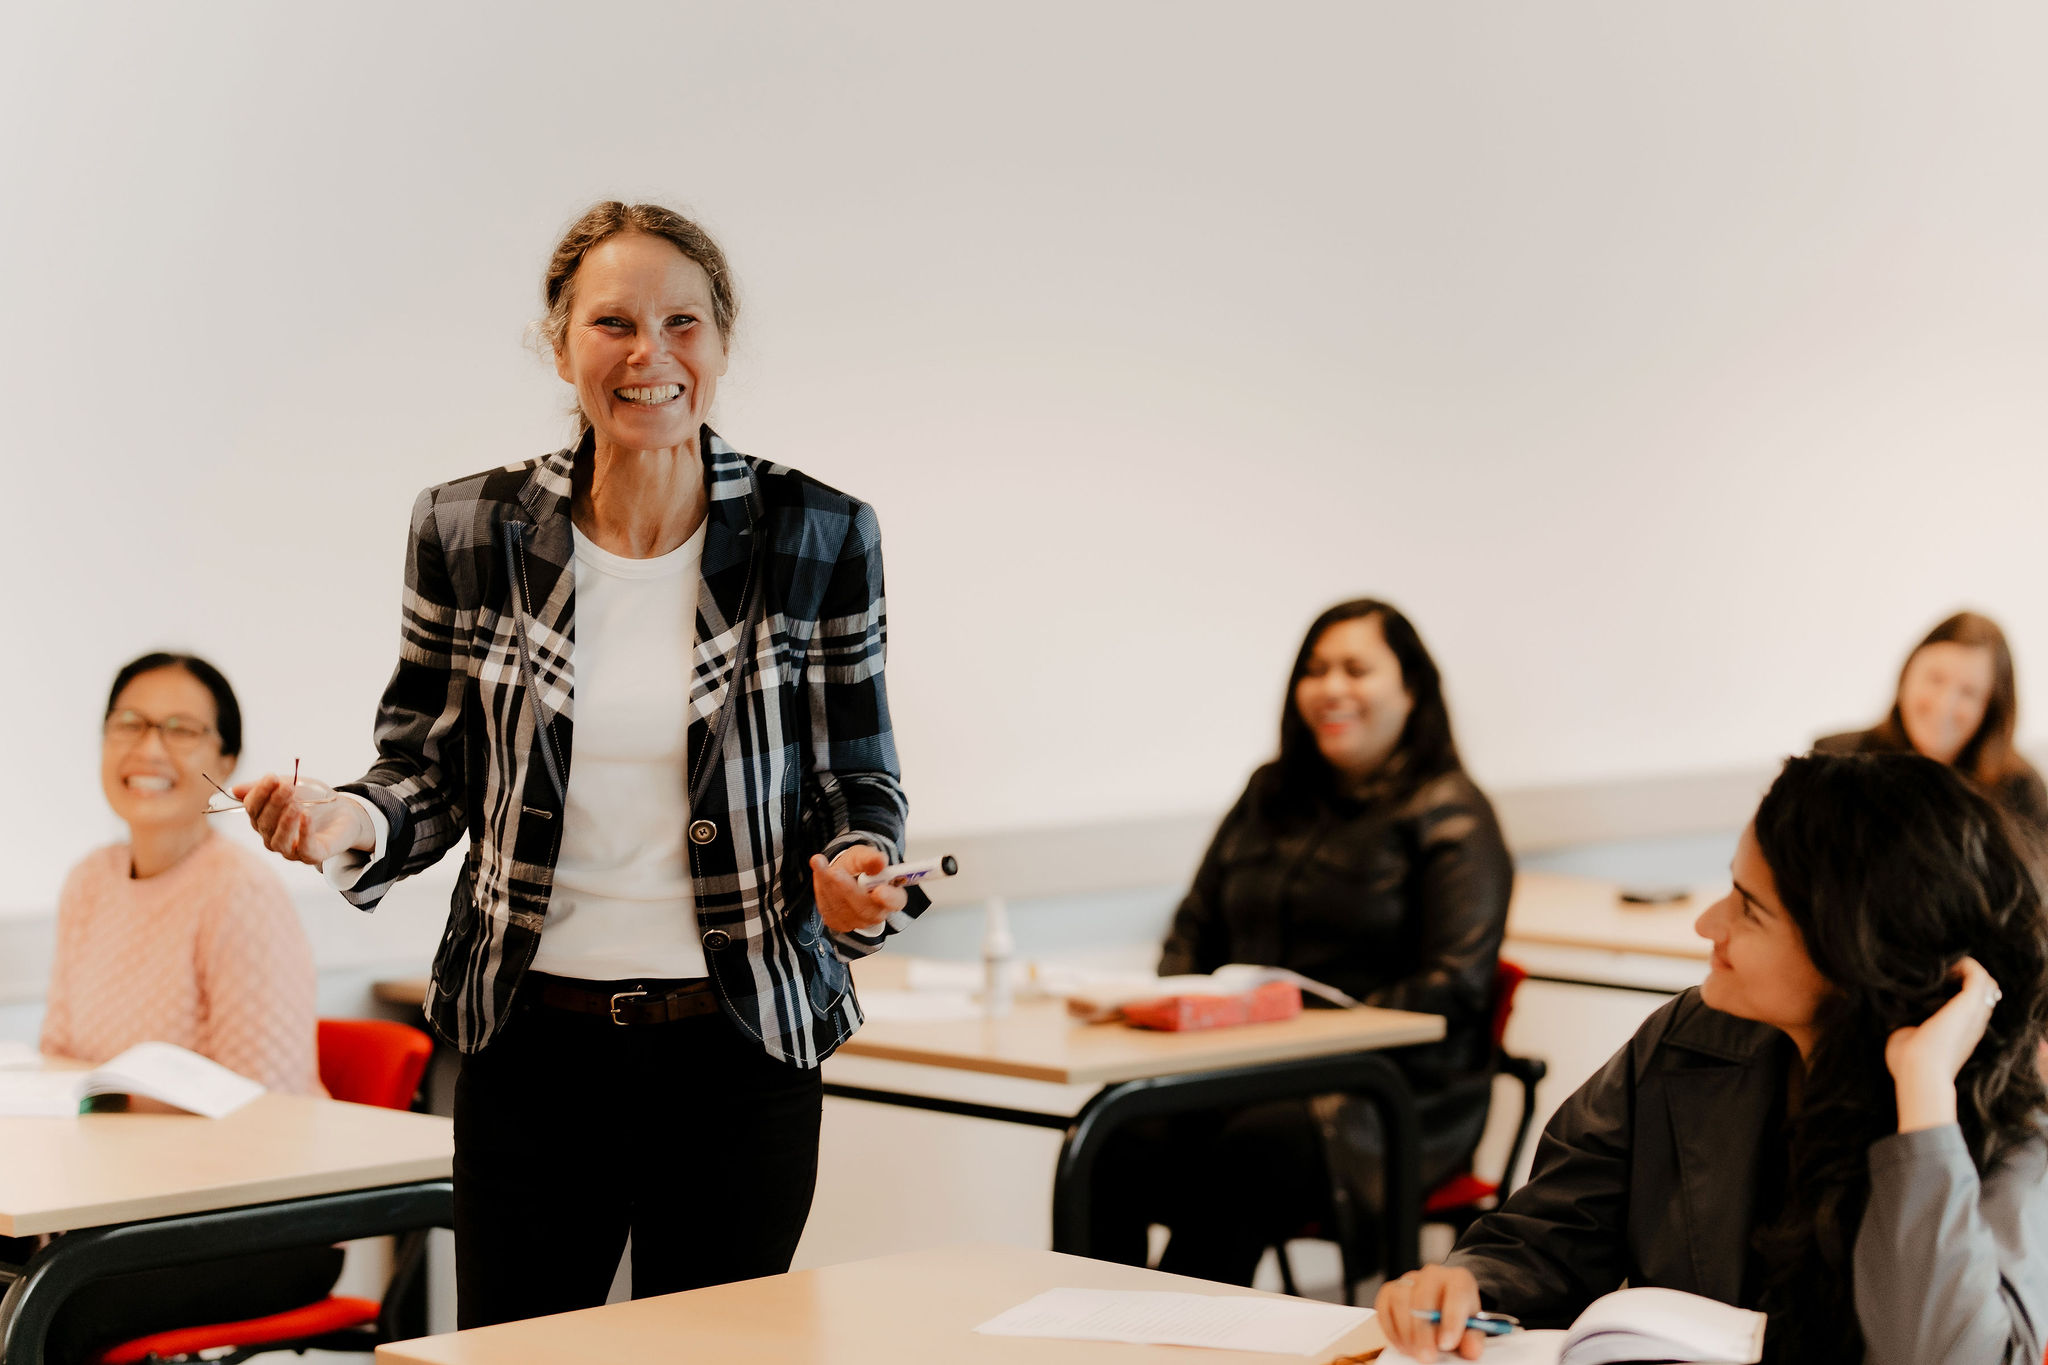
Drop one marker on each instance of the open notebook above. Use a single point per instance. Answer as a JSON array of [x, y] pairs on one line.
[[1634, 1324], [158, 1071]]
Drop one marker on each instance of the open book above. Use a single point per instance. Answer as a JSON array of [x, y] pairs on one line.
[[159, 1071], [1634, 1324]]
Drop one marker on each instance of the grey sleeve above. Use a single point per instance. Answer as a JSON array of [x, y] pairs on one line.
[[1951, 1270]]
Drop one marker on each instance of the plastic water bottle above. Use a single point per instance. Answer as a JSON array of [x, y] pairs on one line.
[[997, 948]]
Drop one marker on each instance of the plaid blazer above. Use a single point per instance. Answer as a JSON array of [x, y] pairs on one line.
[[474, 736]]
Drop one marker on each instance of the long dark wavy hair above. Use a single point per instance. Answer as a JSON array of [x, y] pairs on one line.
[[1303, 778], [1989, 756], [1894, 868]]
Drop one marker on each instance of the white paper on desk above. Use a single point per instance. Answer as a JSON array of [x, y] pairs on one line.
[[1231, 1322], [918, 1006], [19, 1056]]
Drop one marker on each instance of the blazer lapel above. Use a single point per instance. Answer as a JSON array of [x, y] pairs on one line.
[[1720, 1110], [549, 590], [722, 599]]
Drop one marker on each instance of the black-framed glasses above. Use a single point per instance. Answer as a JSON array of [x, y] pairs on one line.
[[182, 734]]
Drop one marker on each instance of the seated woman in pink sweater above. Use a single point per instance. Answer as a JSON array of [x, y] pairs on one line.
[[180, 936]]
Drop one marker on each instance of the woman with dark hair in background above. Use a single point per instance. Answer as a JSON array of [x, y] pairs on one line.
[[1841, 1128], [1362, 857], [1957, 704], [178, 935]]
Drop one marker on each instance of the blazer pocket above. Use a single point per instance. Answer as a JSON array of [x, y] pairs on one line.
[[830, 978]]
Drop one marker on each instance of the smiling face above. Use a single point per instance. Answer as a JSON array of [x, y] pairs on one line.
[[1760, 970], [1353, 697], [640, 346], [151, 781], [1942, 697]]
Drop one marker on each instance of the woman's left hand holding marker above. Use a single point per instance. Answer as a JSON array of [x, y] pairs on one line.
[[843, 905]]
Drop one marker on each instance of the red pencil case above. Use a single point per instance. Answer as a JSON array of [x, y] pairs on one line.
[[1181, 1013]]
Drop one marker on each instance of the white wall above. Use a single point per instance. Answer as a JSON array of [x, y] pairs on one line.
[[1675, 365]]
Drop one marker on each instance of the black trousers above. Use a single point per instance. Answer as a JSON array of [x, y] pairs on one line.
[[572, 1131], [1230, 1183]]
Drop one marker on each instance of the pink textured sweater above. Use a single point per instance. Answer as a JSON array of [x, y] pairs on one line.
[[208, 954]]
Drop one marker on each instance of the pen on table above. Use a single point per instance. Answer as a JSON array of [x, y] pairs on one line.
[[1492, 1324]]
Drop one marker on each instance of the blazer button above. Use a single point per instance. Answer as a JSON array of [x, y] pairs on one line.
[[716, 939], [702, 831]]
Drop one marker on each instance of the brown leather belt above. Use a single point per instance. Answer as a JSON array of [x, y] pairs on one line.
[[640, 1002]]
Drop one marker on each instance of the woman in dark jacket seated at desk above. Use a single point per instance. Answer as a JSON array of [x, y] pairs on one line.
[[1957, 703], [1364, 858], [1843, 1127]]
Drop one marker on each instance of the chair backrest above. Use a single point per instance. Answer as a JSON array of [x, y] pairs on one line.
[[1507, 979], [373, 1061]]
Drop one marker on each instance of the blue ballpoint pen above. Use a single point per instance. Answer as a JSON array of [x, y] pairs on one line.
[[1492, 1324]]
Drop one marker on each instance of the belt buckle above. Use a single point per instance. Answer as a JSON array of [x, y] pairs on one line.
[[624, 995]]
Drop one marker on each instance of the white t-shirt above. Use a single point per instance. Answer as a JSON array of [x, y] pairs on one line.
[[623, 904]]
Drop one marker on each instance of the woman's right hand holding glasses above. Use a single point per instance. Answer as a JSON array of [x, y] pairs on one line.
[[305, 821]]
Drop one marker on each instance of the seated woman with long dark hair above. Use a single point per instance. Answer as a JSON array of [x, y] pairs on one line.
[[1362, 857], [1957, 703], [1842, 1128]]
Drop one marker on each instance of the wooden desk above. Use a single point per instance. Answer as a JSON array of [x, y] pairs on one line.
[[915, 1309], [1147, 1074], [1578, 931], [1586, 912], [409, 991], [61, 1174], [1039, 1042], [137, 1191]]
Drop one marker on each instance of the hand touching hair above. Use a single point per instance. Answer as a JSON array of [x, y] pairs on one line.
[[1895, 871]]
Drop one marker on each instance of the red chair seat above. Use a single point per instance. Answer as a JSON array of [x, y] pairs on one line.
[[1460, 1191], [315, 1319]]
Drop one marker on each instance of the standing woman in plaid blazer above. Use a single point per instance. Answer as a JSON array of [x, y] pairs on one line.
[[646, 953]]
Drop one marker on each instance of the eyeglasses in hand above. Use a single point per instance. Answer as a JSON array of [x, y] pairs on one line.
[[306, 793]]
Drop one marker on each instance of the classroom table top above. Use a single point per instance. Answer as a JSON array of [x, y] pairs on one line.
[[1039, 1042], [919, 1308], [1587, 912], [58, 1174]]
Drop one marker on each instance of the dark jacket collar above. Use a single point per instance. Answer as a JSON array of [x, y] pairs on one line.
[[1722, 1077]]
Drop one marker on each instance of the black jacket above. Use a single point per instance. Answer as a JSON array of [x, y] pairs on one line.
[[1398, 900], [1647, 1174], [2023, 794], [1657, 1171]]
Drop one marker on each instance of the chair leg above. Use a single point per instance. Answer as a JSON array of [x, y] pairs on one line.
[[404, 1311]]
